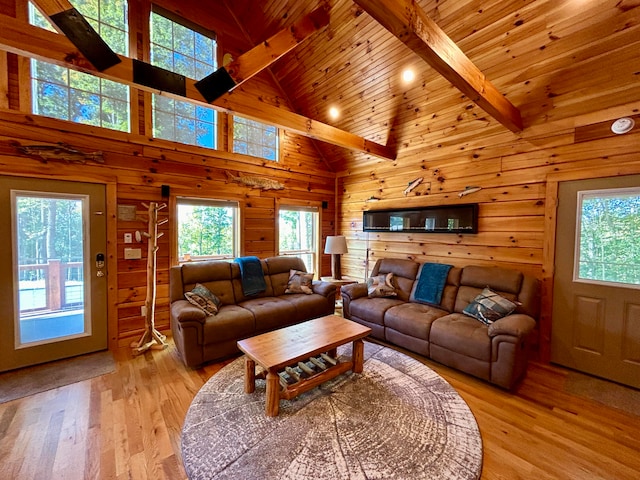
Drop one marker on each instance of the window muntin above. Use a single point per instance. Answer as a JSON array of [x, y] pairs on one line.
[[607, 230], [298, 234], [180, 49], [207, 229], [255, 138], [67, 94]]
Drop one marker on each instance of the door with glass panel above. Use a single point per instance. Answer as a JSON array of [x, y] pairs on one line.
[[52, 270], [596, 298]]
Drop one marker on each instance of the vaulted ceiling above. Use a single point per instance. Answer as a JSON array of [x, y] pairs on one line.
[[545, 56]]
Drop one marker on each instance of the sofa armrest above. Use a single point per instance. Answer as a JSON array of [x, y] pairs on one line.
[[354, 290], [183, 311], [518, 325], [326, 289]]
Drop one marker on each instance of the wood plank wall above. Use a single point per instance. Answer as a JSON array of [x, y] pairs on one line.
[[140, 166], [512, 230]]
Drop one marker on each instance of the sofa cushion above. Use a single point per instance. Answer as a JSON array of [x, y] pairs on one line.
[[459, 333], [308, 306], [201, 296], [216, 276], [381, 286], [299, 282], [489, 306], [413, 319], [230, 323], [499, 279], [404, 270], [279, 269], [372, 309], [270, 312]]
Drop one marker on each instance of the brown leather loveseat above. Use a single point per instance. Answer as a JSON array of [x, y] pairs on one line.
[[202, 338], [496, 352]]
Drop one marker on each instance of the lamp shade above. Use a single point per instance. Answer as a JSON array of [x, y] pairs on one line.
[[336, 245]]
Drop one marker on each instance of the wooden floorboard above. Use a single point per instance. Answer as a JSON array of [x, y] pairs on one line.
[[126, 425]]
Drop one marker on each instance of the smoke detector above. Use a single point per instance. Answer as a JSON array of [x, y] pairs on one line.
[[622, 125]]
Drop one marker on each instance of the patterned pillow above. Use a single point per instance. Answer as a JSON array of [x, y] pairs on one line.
[[381, 286], [489, 307], [202, 297], [299, 282]]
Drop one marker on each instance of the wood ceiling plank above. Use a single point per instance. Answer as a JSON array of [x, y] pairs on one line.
[[24, 39], [411, 25], [262, 55]]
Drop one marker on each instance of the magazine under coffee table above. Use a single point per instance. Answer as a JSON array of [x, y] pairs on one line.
[[315, 341]]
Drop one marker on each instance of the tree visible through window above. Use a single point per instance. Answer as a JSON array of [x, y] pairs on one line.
[[609, 228], [255, 138], [66, 94], [182, 50], [298, 229], [207, 229]]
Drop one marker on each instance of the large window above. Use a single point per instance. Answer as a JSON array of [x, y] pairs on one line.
[[607, 247], [255, 138], [66, 94], [298, 234], [207, 229], [189, 51]]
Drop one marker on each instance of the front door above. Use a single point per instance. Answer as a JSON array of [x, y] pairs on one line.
[[596, 298], [52, 270]]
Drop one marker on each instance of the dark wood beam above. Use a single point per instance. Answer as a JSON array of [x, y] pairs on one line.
[[69, 21], [261, 56], [411, 25], [23, 39]]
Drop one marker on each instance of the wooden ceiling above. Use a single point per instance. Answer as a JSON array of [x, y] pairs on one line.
[[544, 56]]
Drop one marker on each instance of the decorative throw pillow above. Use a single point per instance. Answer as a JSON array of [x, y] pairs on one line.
[[381, 286], [489, 306], [202, 297], [299, 282]]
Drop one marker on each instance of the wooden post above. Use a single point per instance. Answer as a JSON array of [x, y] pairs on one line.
[[249, 375], [151, 338], [273, 395]]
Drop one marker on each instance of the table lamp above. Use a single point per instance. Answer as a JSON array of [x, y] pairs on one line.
[[336, 246]]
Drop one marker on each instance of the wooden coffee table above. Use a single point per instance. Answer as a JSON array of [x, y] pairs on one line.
[[277, 350]]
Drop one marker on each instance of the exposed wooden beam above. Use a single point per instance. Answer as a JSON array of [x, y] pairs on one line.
[[411, 25], [261, 56], [69, 21], [23, 39]]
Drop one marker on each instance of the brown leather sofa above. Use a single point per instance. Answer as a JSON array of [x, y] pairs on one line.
[[496, 353], [202, 338]]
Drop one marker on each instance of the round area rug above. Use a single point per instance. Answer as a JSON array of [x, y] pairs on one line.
[[396, 420]]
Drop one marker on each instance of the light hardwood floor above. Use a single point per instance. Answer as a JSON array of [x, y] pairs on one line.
[[126, 425]]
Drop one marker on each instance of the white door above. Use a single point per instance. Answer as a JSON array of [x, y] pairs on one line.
[[53, 288], [596, 298]]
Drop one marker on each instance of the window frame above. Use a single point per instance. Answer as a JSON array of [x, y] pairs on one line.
[[587, 194], [175, 115], [210, 202], [303, 206], [35, 81], [232, 140]]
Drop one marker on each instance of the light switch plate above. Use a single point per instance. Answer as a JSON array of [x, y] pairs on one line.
[[132, 254], [128, 238]]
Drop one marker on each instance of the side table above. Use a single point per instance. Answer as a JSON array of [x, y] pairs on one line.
[[338, 283]]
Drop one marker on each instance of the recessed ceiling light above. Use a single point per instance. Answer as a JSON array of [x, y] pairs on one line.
[[622, 125], [408, 75], [334, 112]]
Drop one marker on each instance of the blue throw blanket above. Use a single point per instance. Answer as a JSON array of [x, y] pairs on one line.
[[433, 277], [251, 275]]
